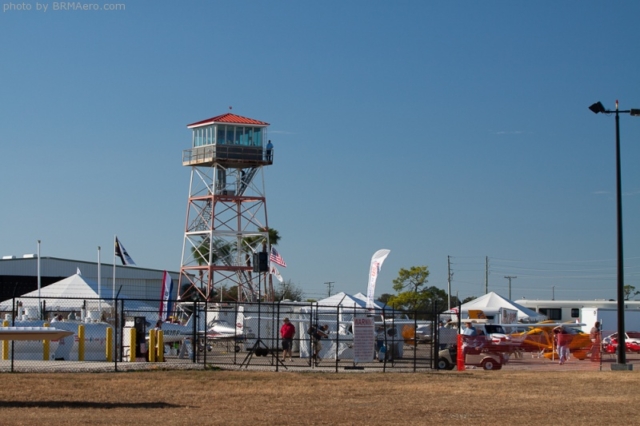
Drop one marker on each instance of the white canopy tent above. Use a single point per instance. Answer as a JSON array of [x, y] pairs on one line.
[[73, 294], [491, 304], [339, 310]]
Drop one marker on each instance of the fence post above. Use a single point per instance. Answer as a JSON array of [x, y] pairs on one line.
[[337, 336], [120, 339], [415, 341], [45, 346], [278, 338], [435, 342], [194, 338], [204, 333]]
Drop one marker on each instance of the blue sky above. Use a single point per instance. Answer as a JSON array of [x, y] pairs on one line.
[[432, 129]]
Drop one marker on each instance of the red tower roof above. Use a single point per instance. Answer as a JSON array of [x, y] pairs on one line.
[[228, 118]]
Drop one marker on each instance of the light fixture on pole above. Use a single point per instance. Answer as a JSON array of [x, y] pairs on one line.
[[599, 108]]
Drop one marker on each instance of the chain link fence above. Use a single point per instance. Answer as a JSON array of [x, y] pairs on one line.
[[85, 334], [121, 334]]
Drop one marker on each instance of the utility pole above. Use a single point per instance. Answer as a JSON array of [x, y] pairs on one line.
[[329, 287], [510, 277], [450, 275], [486, 275]]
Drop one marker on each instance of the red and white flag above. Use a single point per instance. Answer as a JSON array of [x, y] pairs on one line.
[[274, 271], [374, 269]]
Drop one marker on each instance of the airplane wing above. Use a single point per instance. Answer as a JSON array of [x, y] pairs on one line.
[[33, 333]]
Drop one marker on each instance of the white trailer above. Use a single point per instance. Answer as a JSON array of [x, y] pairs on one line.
[[569, 310], [609, 319]]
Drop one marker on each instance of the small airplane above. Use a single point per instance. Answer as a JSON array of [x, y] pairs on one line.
[[529, 337], [220, 331], [539, 338]]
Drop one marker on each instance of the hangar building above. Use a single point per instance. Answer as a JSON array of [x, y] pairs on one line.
[[19, 275]]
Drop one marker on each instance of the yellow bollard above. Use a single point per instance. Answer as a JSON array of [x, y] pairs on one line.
[[81, 342], [45, 346], [132, 345], [109, 344], [151, 350], [5, 344], [160, 346]]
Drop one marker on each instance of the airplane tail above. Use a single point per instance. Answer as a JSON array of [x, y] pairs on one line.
[[189, 321]]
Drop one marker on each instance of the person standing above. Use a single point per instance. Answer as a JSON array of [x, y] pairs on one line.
[[562, 343], [269, 150], [287, 332], [596, 338], [317, 333], [442, 338]]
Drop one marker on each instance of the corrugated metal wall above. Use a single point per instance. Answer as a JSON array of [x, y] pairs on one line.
[[136, 282]]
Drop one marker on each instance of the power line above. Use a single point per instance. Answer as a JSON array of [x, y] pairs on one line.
[[329, 287]]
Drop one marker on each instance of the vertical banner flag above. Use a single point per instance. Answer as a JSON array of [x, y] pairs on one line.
[[376, 264], [275, 272], [121, 252], [165, 296], [276, 258]]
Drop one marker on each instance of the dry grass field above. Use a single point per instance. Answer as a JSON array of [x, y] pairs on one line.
[[245, 398]]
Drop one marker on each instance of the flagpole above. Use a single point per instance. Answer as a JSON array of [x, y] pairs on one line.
[[39, 283], [99, 284], [113, 286]]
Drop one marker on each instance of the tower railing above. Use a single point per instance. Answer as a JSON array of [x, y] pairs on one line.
[[232, 153]]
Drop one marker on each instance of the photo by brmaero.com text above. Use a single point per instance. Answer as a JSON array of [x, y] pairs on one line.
[[61, 6]]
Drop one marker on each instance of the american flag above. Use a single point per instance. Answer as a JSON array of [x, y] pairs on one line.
[[276, 258]]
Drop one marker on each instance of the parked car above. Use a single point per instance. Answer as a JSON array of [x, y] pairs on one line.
[[632, 342]]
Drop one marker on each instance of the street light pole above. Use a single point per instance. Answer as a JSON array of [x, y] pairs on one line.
[[622, 345], [597, 108]]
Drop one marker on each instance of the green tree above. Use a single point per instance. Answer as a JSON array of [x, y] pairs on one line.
[[249, 245], [629, 292], [384, 298], [469, 299], [287, 290], [221, 249], [415, 297], [411, 294], [274, 238]]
